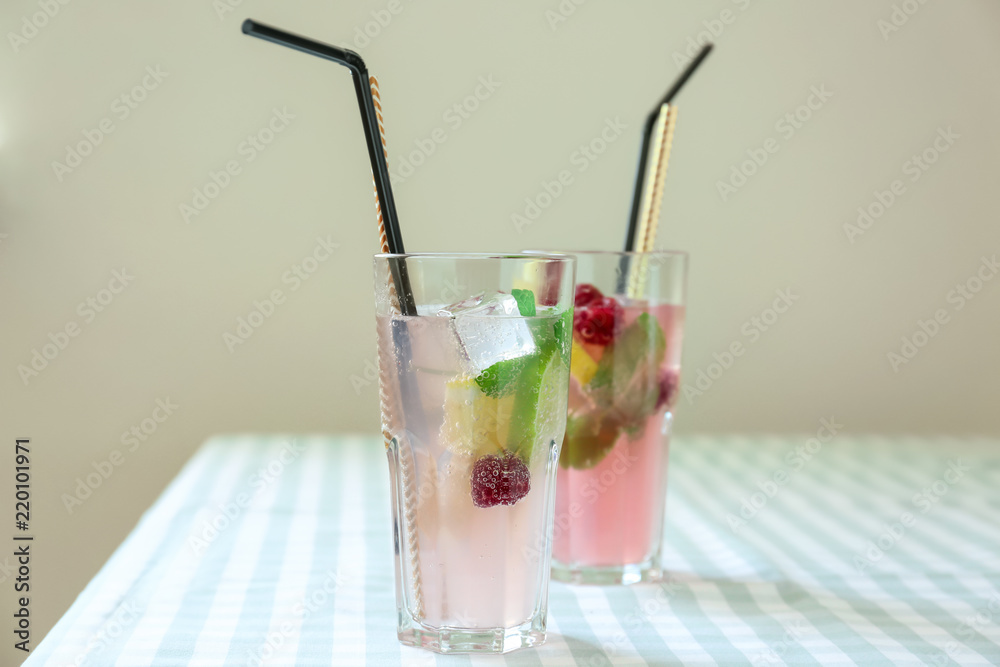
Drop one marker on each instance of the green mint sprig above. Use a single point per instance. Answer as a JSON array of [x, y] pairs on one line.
[[625, 389]]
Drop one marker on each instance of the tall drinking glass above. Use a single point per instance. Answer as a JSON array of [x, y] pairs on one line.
[[628, 326], [473, 391]]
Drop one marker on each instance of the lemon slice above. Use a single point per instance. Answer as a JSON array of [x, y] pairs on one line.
[[582, 366], [474, 424]]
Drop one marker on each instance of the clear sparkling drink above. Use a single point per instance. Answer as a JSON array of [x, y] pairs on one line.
[[474, 410]]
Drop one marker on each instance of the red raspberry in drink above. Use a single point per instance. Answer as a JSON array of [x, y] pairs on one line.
[[586, 294], [499, 480], [669, 382], [598, 323]]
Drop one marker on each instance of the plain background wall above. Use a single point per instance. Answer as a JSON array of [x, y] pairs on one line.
[[560, 82]]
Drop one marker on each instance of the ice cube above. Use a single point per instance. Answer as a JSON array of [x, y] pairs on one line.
[[434, 346], [463, 305], [489, 329]]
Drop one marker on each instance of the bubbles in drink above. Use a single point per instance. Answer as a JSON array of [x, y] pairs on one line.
[[483, 387]]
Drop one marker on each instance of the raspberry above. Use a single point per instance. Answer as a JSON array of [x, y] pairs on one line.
[[669, 381], [599, 322], [586, 294], [499, 480]]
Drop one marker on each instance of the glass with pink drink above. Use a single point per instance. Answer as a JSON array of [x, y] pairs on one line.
[[628, 327], [473, 386]]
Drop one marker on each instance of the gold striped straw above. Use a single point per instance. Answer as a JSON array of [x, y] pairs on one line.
[[384, 244], [652, 195], [382, 240], [406, 463]]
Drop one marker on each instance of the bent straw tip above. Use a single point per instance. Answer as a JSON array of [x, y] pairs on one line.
[[346, 57], [703, 53]]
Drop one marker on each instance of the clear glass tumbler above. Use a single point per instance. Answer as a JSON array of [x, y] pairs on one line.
[[473, 386], [628, 327]]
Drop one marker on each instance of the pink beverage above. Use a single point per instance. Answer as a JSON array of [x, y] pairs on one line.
[[474, 409], [624, 380], [619, 519]]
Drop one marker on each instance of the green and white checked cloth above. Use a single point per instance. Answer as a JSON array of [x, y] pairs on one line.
[[781, 551]]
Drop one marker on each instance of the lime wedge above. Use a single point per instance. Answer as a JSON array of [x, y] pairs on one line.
[[539, 403], [563, 330], [523, 399]]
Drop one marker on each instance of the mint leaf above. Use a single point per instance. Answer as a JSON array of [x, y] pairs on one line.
[[625, 390], [589, 438], [525, 301], [640, 346], [498, 380]]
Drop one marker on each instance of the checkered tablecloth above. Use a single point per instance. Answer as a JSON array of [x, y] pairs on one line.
[[781, 551]]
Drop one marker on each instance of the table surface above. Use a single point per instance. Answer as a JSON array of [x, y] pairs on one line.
[[854, 551]]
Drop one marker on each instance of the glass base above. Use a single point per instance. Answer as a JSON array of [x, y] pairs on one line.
[[610, 575], [471, 640]]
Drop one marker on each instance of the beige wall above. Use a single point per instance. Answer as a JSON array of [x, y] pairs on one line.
[[556, 86]]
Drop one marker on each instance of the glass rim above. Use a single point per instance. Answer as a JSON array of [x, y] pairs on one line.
[[620, 253], [556, 256]]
